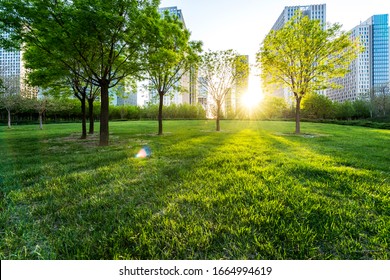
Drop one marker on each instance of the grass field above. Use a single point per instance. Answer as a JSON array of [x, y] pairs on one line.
[[251, 191]]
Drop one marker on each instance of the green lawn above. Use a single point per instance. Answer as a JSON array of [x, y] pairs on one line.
[[251, 191]]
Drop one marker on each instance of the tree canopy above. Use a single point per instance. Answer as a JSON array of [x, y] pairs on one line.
[[220, 73], [105, 37], [305, 57], [169, 55]]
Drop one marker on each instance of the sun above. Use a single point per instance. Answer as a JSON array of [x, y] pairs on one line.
[[251, 98]]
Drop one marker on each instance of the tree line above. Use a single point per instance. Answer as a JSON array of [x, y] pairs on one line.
[[319, 107], [29, 111]]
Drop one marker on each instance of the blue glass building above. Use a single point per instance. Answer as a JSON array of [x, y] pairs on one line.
[[371, 69], [380, 50]]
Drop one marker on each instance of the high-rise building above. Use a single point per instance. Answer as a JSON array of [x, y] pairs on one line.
[[14, 73], [10, 69], [173, 11], [371, 68], [314, 12]]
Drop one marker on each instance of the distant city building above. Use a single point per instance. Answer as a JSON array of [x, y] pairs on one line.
[[371, 69], [10, 69], [202, 94], [314, 12], [130, 93], [13, 70], [173, 11]]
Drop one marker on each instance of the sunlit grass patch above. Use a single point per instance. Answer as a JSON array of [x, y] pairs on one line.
[[251, 191]]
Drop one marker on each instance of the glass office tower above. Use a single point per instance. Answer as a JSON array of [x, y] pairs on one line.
[[380, 49], [371, 69]]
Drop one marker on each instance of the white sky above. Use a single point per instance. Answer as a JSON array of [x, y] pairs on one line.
[[242, 24]]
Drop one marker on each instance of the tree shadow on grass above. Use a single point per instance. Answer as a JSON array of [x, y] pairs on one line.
[[242, 195], [75, 213]]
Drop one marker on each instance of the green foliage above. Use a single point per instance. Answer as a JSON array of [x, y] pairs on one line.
[[273, 107], [304, 57], [345, 110], [219, 73], [252, 191], [98, 41], [168, 56], [317, 106], [361, 109]]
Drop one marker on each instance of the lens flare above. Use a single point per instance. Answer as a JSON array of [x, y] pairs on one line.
[[145, 152]]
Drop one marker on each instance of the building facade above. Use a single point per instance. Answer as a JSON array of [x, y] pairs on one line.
[[10, 69], [14, 73], [371, 69], [317, 12]]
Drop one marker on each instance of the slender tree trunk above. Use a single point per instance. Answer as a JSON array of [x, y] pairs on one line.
[[298, 115], [104, 114], [91, 117], [160, 117], [83, 119], [218, 117], [40, 120], [9, 118]]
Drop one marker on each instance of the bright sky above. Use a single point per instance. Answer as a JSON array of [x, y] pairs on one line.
[[242, 24]]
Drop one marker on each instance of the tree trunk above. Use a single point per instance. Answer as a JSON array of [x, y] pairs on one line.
[[160, 117], [218, 117], [298, 115], [83, 119], [104, 113], [91, 117], [9, 118], [40, 121]]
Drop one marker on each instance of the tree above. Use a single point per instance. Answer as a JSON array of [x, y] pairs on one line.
[[304, 57], [378, 98], [54, 77], [40, 106], [220, 72], [10, 97], [382, 99], [103, 36], [168, 57]]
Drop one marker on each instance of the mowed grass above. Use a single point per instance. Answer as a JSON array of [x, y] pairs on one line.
[[252, 191]]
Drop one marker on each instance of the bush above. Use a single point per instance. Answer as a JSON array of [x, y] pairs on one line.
[[173, 111], [317, 106]]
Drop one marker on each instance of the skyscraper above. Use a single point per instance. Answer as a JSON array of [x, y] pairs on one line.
[[14, 73], [173, 11], [312, 11], [371, 68], [10, 68], [380, 49]]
